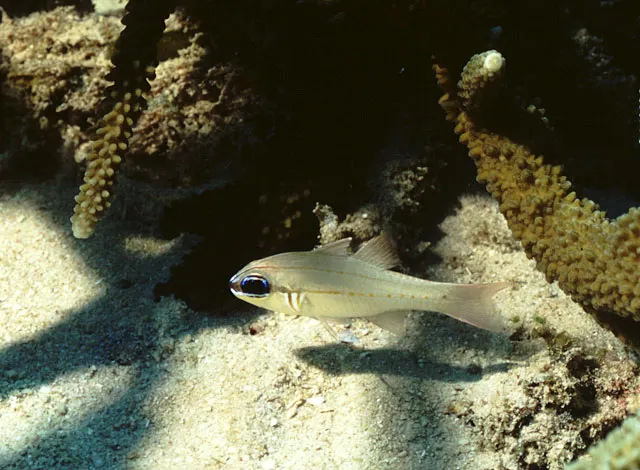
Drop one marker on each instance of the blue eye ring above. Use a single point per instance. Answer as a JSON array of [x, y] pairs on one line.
[[255, 285]]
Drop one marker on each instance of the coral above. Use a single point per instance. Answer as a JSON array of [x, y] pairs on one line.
[[193, 129], [134, 64], [568, 397], [187, 139], [593, 258], [619, 451], [361, 225], [50, 85]]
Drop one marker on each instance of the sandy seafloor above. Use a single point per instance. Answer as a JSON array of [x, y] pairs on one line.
[[96, 373]]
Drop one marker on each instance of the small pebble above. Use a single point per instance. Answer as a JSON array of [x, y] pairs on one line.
[[347, 337], [315, 400], [268, 464]]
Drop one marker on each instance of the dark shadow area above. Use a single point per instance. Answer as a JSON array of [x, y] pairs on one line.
[[337, 359], [582, 85], [577, 60], [627, 329], [20, 161], [26, 7], [253, 227]]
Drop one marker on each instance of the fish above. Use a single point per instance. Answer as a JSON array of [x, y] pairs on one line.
[[331, 284]]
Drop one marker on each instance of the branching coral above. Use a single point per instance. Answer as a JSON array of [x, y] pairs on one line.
[[593, 258], [133, 65], [619, 451]]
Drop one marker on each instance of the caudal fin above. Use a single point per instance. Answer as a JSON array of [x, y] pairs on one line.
[[473, 304]]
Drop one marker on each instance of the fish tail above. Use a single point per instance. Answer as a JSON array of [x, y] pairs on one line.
[[473, 304]]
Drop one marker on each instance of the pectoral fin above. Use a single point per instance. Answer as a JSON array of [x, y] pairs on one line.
[[329, 329], [345, 337], [391, 321]]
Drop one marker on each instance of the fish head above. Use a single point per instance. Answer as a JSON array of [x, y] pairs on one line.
[[261, 283]]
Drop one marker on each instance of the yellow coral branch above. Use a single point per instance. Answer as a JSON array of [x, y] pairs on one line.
[[111, 139], [134, 62], [596, 260]]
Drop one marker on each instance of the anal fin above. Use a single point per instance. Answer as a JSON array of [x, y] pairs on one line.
[[392, 321]]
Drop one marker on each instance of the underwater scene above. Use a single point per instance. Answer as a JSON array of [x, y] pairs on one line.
[[319, 234]]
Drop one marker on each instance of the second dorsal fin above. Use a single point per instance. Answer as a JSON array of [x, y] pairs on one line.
[[379, 251], [337, 248]]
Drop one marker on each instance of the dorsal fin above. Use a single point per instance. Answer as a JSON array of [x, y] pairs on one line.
[[337, 248], [379, 251]]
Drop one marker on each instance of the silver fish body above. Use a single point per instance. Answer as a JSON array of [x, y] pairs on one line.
[[328, 283]]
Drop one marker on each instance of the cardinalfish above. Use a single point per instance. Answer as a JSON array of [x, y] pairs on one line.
[[329, 284]]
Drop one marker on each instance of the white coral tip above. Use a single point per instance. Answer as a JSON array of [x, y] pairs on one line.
[[493, 62]]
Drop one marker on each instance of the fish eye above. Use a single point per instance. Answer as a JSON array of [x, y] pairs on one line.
[[255, 285]]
